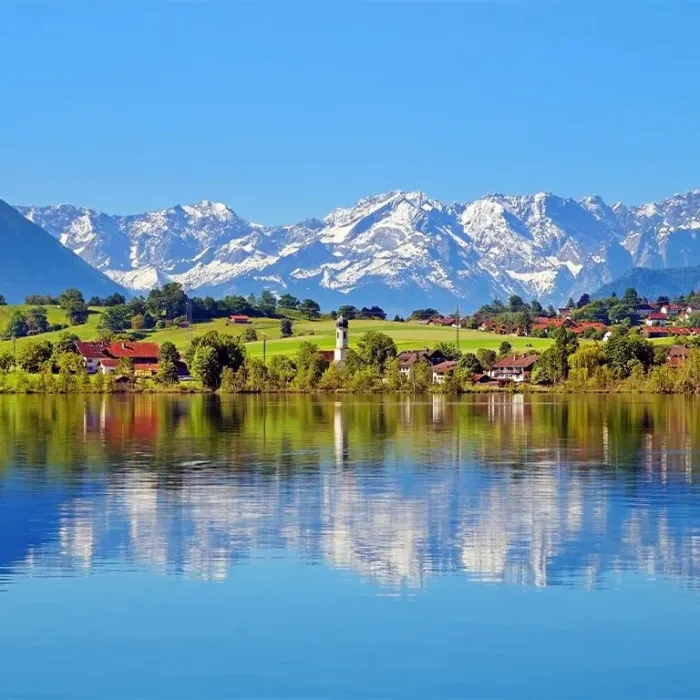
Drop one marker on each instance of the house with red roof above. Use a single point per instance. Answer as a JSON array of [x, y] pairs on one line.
[[442, 370], [238, 319], [513, 368], [656, 318], [104, 356]]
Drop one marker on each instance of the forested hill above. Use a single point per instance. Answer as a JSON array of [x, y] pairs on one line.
[[671, 282]]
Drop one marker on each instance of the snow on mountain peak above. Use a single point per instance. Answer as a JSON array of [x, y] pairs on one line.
[[538, 245]]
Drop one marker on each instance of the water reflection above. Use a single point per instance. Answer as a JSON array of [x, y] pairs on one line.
[[516, 489]]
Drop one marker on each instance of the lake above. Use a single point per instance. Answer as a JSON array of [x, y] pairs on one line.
[[500, 545]]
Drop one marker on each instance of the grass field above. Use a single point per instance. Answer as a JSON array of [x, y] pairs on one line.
[[407, 336]]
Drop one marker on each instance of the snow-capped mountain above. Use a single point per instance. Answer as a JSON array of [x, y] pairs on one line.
[[399, 249]]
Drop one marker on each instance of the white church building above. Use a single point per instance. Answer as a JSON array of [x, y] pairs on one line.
[[341, 340]]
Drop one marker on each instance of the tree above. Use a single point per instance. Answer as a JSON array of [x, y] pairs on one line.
[[310, 308], [32, 356], [115, 318], [17, 325], [570, 303], [114, 299], [515, 303], [138, 322], [65, 343], [624, 349], [584, 300], [553, 364], [449, 350], [7, 361], [348, 311], [267, 304], [168, 351], [249, 335], [424, 314], [469, 362], [167, 371], [630, 296], [256, 374], [487, 358], [536, 308], [2, 300], [281, 371], [228, 350], [504, 348], [287, 301], [421, 376], [125, 368], [310, 365], [286, 328], [168, 302], [206, 367], [376, 349], [36, 319], [73, 303]]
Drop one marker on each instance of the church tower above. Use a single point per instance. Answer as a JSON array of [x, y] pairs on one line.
[[341, 340]]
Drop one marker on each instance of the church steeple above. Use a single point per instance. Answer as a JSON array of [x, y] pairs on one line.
[[341, 340]]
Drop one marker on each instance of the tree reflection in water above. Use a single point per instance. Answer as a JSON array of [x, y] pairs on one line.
[[528, 490]]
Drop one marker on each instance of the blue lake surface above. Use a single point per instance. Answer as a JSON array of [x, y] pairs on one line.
[[492, 546]]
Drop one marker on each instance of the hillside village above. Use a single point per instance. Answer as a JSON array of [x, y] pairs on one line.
[[596, 344]]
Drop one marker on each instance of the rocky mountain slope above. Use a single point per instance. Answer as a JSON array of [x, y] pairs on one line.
[[399, 249], [33, 262]]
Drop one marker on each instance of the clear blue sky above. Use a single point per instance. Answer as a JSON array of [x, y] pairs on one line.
[[287, 110]]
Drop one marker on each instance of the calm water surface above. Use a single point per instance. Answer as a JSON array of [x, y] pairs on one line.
[[494, 546]]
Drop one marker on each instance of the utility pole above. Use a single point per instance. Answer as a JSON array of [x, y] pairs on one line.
[[457, 325]]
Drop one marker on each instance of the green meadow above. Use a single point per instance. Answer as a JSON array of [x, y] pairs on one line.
[[407, 336]]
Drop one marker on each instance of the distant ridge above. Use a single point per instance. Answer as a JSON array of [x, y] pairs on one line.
[[404, 250], [34, 262], [671, 282]]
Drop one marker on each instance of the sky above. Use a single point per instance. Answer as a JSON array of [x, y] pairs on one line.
[[287, 110]]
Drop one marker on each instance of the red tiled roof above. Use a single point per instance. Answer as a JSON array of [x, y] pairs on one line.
[[444, 367], [238, 317], [120, 348], [656, 316], [520, 362], [327, 355]]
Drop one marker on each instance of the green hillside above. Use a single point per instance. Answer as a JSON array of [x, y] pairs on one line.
[[406, 335]]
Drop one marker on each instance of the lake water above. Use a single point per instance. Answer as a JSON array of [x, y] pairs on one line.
[[490, 546]]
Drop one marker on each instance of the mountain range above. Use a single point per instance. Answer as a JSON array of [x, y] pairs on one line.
[[401, 250], [32, 261]]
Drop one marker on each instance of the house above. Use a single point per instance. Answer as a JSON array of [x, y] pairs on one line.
[[104, 356], [671, 310], [584, 326], [514, 368], [643, 310], [238, 318], [565, 311], [481, 379], [442, 321], [442, 370], [677, 355], [655, 332], [408, 358], [656, 318]]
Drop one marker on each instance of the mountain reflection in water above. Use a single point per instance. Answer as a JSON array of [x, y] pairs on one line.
[[526, 490]]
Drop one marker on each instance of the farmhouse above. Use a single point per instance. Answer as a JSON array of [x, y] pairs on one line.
[[104, 357], [408, 358], [442, 370], [238, 318], [514, 368], [656, 318]]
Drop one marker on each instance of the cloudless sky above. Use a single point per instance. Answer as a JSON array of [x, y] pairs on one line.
[[287, 110]]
